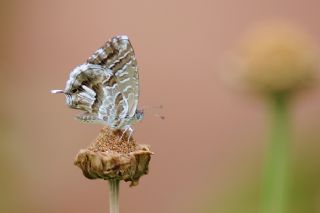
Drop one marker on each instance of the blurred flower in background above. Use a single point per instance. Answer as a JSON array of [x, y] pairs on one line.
[[274, 58], [276, 61]]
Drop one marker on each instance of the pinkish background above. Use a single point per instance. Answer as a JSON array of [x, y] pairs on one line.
[[210, 147]]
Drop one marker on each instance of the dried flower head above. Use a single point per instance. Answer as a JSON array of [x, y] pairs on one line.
[[275, 59], [112, 157]]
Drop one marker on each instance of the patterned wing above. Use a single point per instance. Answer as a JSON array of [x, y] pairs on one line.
[[118, 56], [114, 107]]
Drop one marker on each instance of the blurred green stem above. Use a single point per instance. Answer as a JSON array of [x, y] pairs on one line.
[[114, 196], [275, 187]]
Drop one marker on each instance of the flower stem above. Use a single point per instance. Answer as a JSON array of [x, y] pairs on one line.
[[114, 195], [275, 188]]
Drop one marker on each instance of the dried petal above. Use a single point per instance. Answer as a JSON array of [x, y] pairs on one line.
[[112, 158]]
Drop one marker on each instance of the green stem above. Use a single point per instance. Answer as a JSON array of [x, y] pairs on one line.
[[114, 196], [275, 188]]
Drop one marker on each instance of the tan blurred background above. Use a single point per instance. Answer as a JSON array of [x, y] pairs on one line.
[[209, 150]]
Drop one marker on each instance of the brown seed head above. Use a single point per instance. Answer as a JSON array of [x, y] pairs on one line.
[[111, 158]]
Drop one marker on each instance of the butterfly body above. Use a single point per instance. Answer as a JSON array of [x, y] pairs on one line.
[[106, 87]]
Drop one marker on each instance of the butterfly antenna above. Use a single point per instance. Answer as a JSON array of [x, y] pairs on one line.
[[154, 107], [159, 116]]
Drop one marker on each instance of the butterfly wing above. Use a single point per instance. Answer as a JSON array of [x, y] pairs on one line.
[[118, 56], [114, 107]]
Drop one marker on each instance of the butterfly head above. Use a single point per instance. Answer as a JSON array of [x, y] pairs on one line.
[[80, 97], [139, 115], [78, 91]]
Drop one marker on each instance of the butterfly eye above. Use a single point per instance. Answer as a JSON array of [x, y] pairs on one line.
[[74, 90]]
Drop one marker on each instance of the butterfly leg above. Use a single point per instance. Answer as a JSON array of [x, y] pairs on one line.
[[123, 133], [130, 134]]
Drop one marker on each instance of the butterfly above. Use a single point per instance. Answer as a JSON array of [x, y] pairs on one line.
[[106, 87]]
